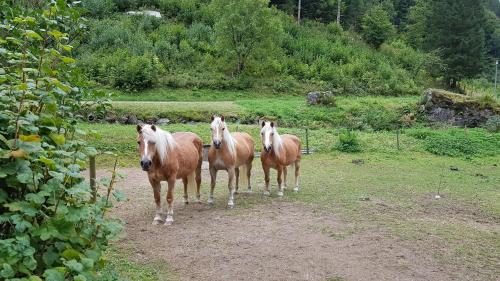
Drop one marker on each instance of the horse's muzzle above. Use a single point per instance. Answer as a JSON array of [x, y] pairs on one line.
[[146, 165], [267, 148], [217, 144]]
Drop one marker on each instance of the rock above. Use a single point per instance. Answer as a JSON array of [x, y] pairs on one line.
[[321, 98], [131, 120], [91, 117], [162, 121], [151, 13], [358, 161], [459, 110], [111, 118]]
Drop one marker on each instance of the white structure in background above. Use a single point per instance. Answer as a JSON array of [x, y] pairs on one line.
[[145, 12]]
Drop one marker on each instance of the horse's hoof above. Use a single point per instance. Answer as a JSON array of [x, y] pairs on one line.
[[230, 205], [156, 222], [296, 189], [266, 193], [280, 193], [210, 201], [169, 221]]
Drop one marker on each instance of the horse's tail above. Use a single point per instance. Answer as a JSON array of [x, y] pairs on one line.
[[243, 176], [191, 183]]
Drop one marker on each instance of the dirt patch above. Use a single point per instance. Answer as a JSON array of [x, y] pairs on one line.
[[268, 240]]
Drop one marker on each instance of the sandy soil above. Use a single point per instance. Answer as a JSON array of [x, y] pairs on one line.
[[271, 240]]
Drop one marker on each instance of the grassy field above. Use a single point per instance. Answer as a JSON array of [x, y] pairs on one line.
[[291, 111], [393, 189]]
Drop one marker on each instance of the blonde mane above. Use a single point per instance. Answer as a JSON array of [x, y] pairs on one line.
[[277, 142], [163, 140]]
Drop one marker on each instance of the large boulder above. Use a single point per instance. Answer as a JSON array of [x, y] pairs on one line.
[[458, 110], [321, 98]]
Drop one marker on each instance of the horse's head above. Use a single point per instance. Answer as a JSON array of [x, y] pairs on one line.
[[146, 145], [217, 127], [266, 135]]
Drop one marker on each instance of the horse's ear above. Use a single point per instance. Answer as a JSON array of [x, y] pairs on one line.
[[213, 117], [139, 128], [263, 124], [153, 127], [272, 124], [222, 118]]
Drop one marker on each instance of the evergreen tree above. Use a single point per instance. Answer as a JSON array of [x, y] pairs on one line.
[[377, 27], [455, 27]]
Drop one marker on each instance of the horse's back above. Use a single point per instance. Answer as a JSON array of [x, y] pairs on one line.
[[293, 145], [245, 145], [189, 143]]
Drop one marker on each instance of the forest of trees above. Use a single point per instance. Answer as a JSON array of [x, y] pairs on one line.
[[385, 47]]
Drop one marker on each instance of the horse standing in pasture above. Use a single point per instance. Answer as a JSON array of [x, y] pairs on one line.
[[278, 152], [233, 152], [168, 157]]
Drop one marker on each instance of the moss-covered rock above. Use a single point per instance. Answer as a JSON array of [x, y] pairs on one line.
[[459, 110]]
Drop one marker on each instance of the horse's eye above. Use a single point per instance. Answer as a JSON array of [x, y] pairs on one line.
[[138, 142], [223, 129]]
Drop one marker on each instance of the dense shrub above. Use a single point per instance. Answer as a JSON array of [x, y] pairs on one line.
[[377, 26], [493, 124], [348, 142], [459, 142], [98, 8], [52, 225], [136, 73]]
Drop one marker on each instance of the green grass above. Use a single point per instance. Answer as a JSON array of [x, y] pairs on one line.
[[120, 267], [167, 94], [392, 190], [353, 112]]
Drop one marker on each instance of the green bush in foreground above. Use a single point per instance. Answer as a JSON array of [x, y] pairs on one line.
[[52, 225], [348, 142]]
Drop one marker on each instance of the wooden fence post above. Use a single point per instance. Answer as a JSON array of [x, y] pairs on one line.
[[307, 141], [92, 173]]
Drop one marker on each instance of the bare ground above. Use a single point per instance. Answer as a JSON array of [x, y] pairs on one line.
[[268, 240]]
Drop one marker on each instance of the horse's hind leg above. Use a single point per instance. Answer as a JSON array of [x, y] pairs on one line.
[[198, 183], [185, 182], [249, 173], [266, 178], [156, 192], [237, 182], [297, 174], [230, 186], [213, 178], [285, 170]]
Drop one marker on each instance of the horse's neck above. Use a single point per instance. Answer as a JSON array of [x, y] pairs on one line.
[[277, 144], [229, 143]]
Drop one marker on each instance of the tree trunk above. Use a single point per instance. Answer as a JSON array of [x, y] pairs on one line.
[[339, 3], [298, 12]]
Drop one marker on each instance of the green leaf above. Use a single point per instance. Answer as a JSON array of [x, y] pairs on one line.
[[55, 274], [30, 263], [56, 34], [74, 265], [7, 271], [4, 140], [68, 60], [33, 34], [80, 277], [71, 254], [34, 278], [30, 138], [119, 196], [59, 139], [50, 256]]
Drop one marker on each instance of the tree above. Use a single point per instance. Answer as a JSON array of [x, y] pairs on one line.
[[416, 25], [244, 28], [455, 27], [377, 27], [354, 13], [52, 224]]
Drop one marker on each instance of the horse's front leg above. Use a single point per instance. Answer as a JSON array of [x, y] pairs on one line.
[[285, 170], [266, 179], [170, 202], [280, 180], [297, 174], [156, 192], [213, 179], [230, 185], [237, 174]]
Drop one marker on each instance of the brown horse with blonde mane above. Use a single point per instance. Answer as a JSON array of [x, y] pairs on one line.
[[232, 152], [279, 152], [168, 157]]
